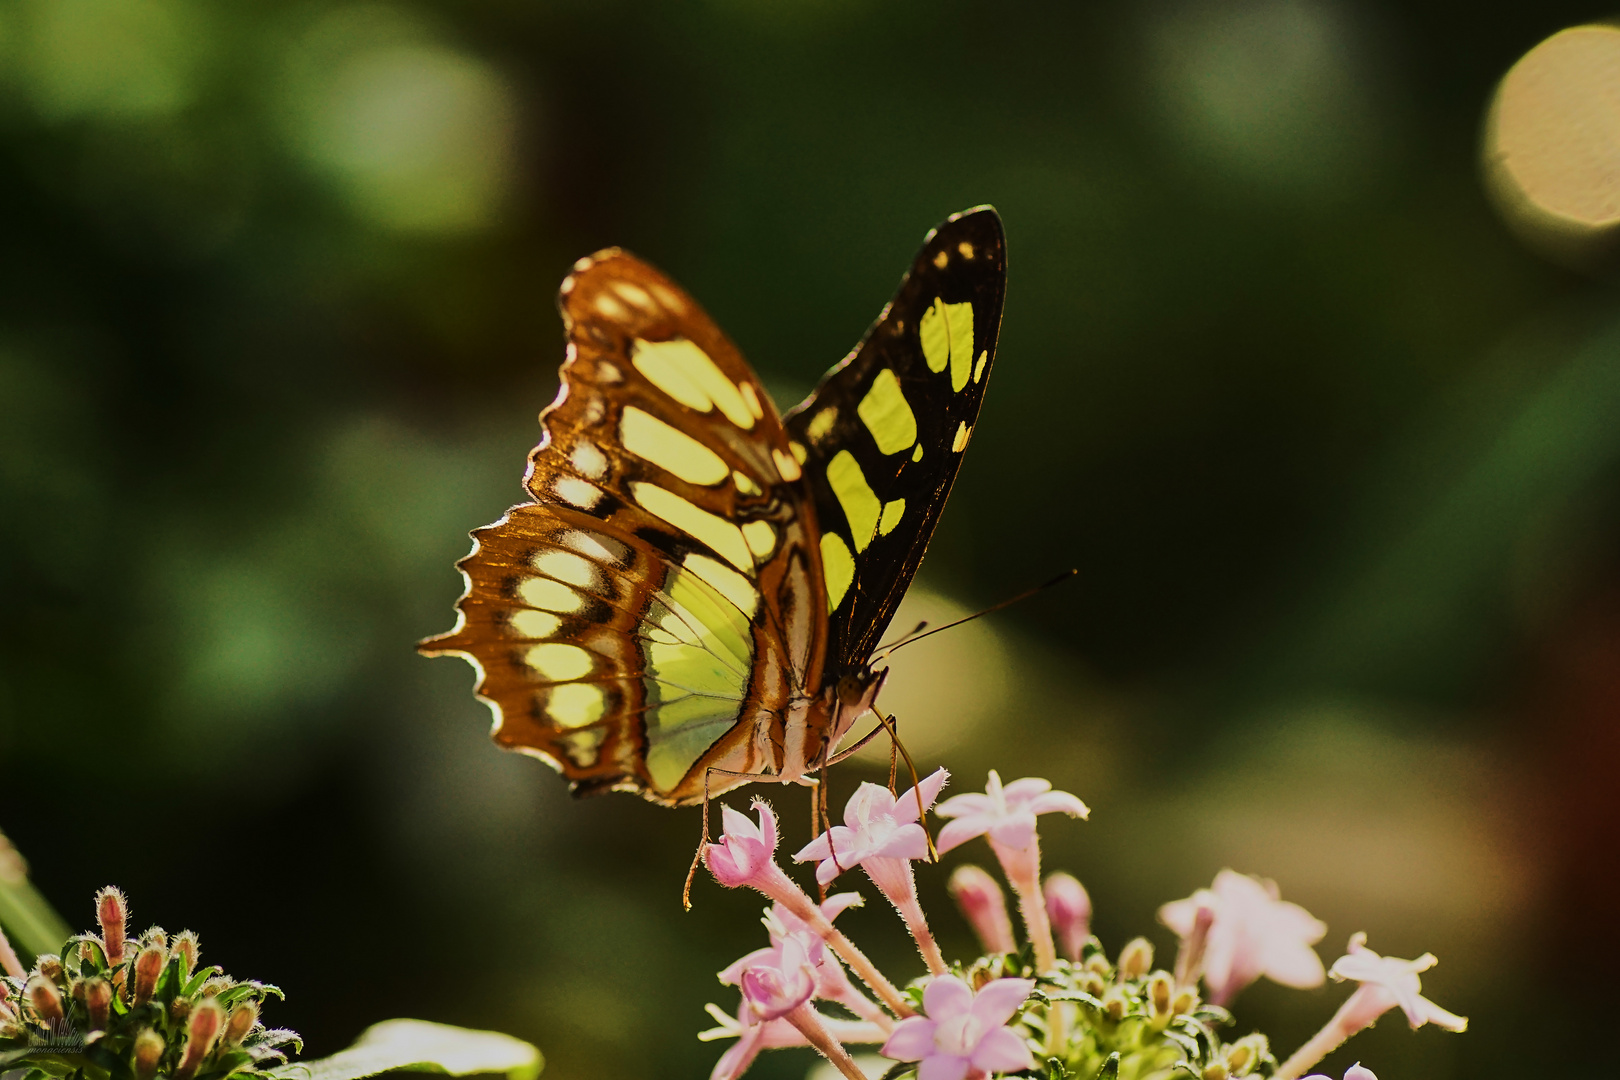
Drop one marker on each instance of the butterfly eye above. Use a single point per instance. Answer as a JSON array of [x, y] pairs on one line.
[[850, 689]]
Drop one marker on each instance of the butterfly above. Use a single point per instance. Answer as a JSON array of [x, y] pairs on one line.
[[693, 595]]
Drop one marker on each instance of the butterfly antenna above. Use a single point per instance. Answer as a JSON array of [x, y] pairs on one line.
[[915, 635], [914, 631]]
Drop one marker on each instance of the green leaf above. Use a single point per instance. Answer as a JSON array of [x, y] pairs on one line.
[[421, 1046], [1110, 1069], [29, 920]]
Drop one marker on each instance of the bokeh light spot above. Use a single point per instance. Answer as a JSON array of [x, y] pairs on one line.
[[114, 58], [415, 135], [1552, 145]]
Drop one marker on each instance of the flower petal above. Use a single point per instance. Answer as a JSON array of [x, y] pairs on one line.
[[1015, 831], [1434, 1014], [905, 806], [1059, 802], [947, 997], [907, 842], [1358, 1072], [1023, 790], [943, 1067], [971, 802], [960, 831], [735, 824], [838, 903], [819, 848], [1002, 1051], [998, 999], [912, 1039]]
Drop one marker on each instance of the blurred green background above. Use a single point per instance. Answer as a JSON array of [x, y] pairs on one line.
[[1336, 457]]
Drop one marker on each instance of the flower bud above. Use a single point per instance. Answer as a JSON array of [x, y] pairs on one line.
[[1115, 1004], [112, 912], [180, 1008], [75, 989], [155, 936], [1135, 959], [1068, 905], [185, 947], [149, 1047], [98, 1002], [1099, 964], [1215, 1070], [49, 965], [1161, 990], [45, 998], [148, 966], [1186, 1000], [1243, 1055], [201, 1031], [985, 906], [240, 1022], [1093, 983]]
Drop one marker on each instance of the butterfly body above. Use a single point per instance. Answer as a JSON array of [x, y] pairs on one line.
[[692, 597]]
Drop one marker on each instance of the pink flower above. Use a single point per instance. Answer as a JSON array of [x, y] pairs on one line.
[[753, 1035], [1068, 905], [962, 1032], [882, 834], [1387, 982], [781, 982], [1006, 813], [745, 850], [981, 900], [876, 825], [1354, 1072], [832, 982], [1254, 933]]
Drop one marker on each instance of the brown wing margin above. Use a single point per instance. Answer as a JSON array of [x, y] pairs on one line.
[[587, 711], [964, 261]]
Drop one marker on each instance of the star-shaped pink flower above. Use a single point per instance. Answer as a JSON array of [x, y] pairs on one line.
[[1254, 933], [1007, 813], [1387, 982], [876, 825], [964, 1032]]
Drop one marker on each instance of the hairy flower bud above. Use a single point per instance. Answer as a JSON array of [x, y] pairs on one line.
[[149, 1047], [1186, 1001], [240, 1022], [155, 936], [985, 906], [1135, 959], [98, 1002], [185, 947], [1115, 1004], [49, 965], [1216, 1070], [112, 912], [180, 1008], [1069, 907], [1161, 989], [148, 966], [45, 998], [1099, 964], [202, 1029]]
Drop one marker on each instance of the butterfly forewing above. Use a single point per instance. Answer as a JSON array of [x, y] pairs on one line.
[[647, 618], [883, 435]]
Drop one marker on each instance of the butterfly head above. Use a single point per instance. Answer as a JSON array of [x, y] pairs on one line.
[[853, 696]]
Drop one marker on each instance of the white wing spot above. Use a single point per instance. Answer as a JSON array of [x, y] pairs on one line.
[[576, 492], [589, 460]]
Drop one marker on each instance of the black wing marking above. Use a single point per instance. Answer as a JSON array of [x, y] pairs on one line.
[[961, 262]]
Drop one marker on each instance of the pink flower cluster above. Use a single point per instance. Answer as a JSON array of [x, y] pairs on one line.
[[1233, 933]]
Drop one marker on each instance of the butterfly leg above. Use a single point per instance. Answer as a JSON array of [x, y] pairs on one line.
[[703, 843], [891, 724]]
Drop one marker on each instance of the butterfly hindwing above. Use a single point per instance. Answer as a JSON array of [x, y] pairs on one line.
[[883, 434], [647, 618]]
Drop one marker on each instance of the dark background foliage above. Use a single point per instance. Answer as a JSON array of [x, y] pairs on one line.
[[1335, 457]]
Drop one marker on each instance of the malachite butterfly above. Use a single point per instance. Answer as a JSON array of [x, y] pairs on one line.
[[692, 597]]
